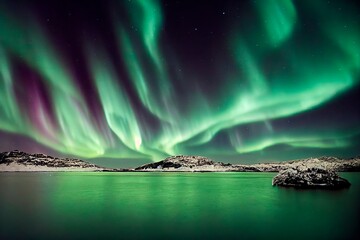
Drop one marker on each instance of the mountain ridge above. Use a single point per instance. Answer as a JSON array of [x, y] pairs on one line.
[[183, 163], [21, 161]]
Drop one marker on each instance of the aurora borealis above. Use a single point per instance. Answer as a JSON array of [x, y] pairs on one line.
[[143, 79]]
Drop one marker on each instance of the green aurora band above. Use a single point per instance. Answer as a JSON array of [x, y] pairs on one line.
[[186, 122]]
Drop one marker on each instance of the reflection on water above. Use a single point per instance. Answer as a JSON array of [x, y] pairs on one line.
[[172, 205]]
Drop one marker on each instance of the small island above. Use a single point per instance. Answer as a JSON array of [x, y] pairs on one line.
[[315, 177]]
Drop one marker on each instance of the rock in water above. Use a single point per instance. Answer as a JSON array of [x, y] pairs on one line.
[[315, 177]]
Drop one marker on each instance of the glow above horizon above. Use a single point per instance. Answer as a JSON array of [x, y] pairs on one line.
[[141, 94]]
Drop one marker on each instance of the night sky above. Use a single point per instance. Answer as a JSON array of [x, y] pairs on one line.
[[131, 81]]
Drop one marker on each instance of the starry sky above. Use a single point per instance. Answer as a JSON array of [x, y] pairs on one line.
[[132, 81]]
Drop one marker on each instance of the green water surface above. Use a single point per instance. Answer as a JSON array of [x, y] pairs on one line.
[[172, 206]]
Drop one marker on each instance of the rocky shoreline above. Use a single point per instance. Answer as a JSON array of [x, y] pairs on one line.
[[306, 173], [21, 161]]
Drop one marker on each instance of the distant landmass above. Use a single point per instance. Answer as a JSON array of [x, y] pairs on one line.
[[202, 164], [21, 161], [17, 161]]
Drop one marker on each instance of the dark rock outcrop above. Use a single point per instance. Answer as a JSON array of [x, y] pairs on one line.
[[315, 177]]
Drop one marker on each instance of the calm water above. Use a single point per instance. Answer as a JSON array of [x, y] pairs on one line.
[[172, 205]]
